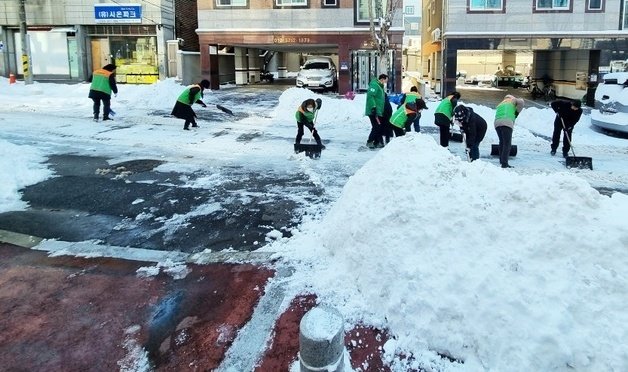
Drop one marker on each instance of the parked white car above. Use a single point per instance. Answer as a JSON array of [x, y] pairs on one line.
[[318, 73], [611, 103]]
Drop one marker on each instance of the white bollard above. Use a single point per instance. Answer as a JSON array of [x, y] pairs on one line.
[[321, 340]]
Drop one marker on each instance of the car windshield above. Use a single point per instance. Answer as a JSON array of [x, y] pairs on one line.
[[316, 66]]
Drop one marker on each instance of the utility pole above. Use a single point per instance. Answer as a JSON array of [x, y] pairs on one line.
[[28, 77]]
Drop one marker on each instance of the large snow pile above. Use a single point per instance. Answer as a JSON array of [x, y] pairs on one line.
[[502, 271]]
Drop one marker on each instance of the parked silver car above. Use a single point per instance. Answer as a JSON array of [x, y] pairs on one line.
[[611, 103], [318, 73]]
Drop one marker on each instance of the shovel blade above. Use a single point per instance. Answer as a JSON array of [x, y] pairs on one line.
[[224, 109], [582, 162], [455, 137], [495, 150], [311, 150]]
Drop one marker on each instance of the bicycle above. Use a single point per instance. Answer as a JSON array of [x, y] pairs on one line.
[[535, 91], [549, 93]]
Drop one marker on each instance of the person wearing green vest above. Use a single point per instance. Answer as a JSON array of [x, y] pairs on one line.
[[413, 96], [505, 115], [103, 83], [443, 115], [305, 115], [375, 104], [183, 107], [405, 115]]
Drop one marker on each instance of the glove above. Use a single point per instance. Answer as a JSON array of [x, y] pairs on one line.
[[319, 103], [373, 111]]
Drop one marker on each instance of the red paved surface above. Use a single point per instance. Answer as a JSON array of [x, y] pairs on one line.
[[76, 314], [71, 314]]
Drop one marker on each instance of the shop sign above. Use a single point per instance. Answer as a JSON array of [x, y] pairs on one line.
[[118, 13], [287, 39]]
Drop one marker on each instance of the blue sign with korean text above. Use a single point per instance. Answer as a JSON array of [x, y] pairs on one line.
[[118, 13]]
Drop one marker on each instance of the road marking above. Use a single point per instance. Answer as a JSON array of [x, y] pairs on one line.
[[90, 249]]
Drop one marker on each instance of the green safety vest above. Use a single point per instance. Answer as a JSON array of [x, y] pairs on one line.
[[308, 115], [446, 108], [185, 96], [400, 116], [506, 110], [412, 97], [100, 81]]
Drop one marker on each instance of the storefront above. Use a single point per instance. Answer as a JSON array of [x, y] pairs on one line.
[[69, 42], [119, 37], [133, 49]]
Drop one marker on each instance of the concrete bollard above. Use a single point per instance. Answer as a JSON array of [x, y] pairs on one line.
[[321, 340]]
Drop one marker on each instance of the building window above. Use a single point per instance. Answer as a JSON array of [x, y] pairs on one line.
[[625, 15], [595, 4], [362, 10], [484, 5], [291, 2], [330, 3], [230, 2], [553, 4], [409, 10]]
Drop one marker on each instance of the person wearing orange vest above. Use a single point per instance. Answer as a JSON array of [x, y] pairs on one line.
[[183, 107], [103, 83]]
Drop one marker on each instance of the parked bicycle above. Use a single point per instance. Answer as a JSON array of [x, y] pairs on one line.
[[549, 92], [534, 90]]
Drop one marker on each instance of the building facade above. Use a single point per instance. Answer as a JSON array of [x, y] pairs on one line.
[[261, 33], [571, 40], [67, 40]]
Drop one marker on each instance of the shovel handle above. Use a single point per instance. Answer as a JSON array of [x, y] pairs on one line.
[[567, 136]]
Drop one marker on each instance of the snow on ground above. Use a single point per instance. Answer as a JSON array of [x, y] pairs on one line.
[[516, 270]]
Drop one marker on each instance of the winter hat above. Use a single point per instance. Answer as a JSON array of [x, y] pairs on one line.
[[576, 103], [420, 104], [460, 112], [205, 84], [110, 67]]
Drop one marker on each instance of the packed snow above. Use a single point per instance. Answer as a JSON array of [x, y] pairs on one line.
[[517, 270]]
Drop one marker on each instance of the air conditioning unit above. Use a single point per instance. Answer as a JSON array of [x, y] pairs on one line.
[[436, 35]]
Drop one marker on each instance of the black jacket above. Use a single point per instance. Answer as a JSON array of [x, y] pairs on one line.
[[569, 116], [474, 127]]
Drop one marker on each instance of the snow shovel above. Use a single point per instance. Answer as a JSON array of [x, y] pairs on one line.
[[495, 150], [224, 109], [574, 161], [454, 135]]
